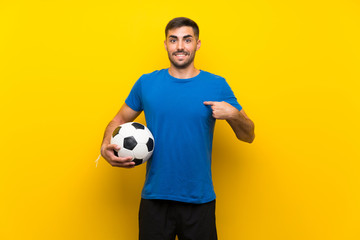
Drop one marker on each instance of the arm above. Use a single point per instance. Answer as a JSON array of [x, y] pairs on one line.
[[241, 124], [125, 114]]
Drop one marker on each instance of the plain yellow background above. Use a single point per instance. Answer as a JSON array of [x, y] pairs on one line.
[[67, 66]]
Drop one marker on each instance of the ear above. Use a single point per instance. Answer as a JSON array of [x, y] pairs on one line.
[[165, 45], [198, 44]]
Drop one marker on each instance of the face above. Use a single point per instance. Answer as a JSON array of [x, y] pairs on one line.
[[181, 46]]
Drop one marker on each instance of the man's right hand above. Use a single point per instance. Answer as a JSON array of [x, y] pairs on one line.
[[107, 152]]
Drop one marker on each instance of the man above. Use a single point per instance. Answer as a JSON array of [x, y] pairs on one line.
[[181, 104]]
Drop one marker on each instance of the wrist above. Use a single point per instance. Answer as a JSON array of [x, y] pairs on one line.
[[233, 114]]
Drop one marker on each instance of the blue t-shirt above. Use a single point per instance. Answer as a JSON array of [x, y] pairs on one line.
[[182, 126]]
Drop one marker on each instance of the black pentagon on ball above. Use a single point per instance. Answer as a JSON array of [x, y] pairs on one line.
[[130, 143], [137, 161], [150, 144], [138, 125], [116, 131]]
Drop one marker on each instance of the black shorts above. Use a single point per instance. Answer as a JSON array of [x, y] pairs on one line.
[[163, 220]]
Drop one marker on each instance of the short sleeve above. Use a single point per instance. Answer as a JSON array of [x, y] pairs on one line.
[[134, 100], [228, 96]]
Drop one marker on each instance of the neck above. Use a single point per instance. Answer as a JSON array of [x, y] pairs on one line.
[[188, 72]]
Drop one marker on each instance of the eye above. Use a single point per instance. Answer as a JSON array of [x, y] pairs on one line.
[[172, 40], [188, 40]]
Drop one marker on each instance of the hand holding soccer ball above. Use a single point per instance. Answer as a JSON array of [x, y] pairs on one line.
[[131, 144], [115, 161]]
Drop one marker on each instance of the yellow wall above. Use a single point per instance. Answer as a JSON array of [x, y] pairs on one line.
[[66, 67]]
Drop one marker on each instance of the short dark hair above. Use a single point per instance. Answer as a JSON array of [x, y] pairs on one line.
[[182, 22]]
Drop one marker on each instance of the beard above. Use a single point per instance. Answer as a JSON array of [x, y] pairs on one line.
[[183, 64]]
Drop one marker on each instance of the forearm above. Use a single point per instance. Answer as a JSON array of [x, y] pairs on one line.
[[242, 126], [108, 132], [125, 114]]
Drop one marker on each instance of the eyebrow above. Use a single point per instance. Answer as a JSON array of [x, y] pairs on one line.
[[186, 36]]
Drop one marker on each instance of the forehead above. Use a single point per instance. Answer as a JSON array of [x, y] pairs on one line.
[[181, 31]]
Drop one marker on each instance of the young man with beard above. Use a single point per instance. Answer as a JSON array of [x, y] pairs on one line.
[[181, 105]]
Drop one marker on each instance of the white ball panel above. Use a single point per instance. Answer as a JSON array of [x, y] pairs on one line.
[[118, 140], [141, 136], [149, 133], [123, 152], [140, 151], [127, 130], [147, 157]]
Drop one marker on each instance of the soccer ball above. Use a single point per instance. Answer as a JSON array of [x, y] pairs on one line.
[[135, 140]]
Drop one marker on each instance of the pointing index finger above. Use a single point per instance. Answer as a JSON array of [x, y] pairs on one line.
[[209, 103]]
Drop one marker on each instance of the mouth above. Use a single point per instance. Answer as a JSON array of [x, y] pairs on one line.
[[180, 54]]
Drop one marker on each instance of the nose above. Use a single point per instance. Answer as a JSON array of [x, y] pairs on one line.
[[180, 45]]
